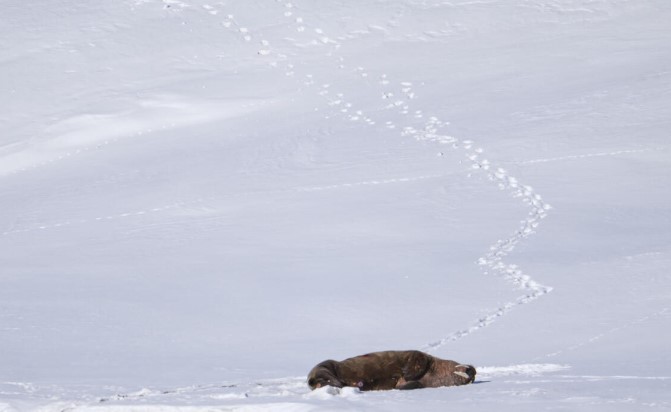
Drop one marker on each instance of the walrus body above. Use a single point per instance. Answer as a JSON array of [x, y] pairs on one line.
[[391, 370]]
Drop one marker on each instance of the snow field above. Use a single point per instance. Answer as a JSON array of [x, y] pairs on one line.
[[205, 199]]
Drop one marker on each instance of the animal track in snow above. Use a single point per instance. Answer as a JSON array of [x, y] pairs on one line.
[[232, 24], [102, 218], [595, 338], [583, 156], [209, 198], [492, 262], [367, 183]]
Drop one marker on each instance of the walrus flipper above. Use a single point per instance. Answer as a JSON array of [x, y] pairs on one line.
[[417, 365], [325, 374], [411, 385]]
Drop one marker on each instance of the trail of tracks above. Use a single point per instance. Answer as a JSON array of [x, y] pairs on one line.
[[203, 201], [401, 116], [492, 261]]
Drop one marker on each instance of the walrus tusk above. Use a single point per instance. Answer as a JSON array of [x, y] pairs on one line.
[[462, 374]]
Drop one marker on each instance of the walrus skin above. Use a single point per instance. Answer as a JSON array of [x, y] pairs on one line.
[[408, 369]]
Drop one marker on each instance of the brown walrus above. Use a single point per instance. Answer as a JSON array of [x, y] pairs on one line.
[[408, 369]]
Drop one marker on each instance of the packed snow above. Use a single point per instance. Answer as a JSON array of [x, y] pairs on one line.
[[201, 200]]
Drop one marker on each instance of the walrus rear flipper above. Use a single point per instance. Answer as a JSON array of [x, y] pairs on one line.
[[325, 374], [411, 385]]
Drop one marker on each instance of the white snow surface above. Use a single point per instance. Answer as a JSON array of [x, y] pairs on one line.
[[203, 199]]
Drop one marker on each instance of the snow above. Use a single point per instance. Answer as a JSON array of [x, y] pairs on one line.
[[202, 200]]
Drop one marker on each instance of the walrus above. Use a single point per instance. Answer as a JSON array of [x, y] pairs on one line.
[[409, 369]]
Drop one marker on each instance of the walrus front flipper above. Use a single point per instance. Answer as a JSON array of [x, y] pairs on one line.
[[417, 365], [411, 385]]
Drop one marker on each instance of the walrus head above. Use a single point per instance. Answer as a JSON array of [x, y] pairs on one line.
[[324, 374], [466, 373]]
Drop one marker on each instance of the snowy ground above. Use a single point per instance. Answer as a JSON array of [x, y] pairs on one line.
[[203, 199]]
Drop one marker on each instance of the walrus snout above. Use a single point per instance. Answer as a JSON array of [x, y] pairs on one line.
[[466, 372]]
